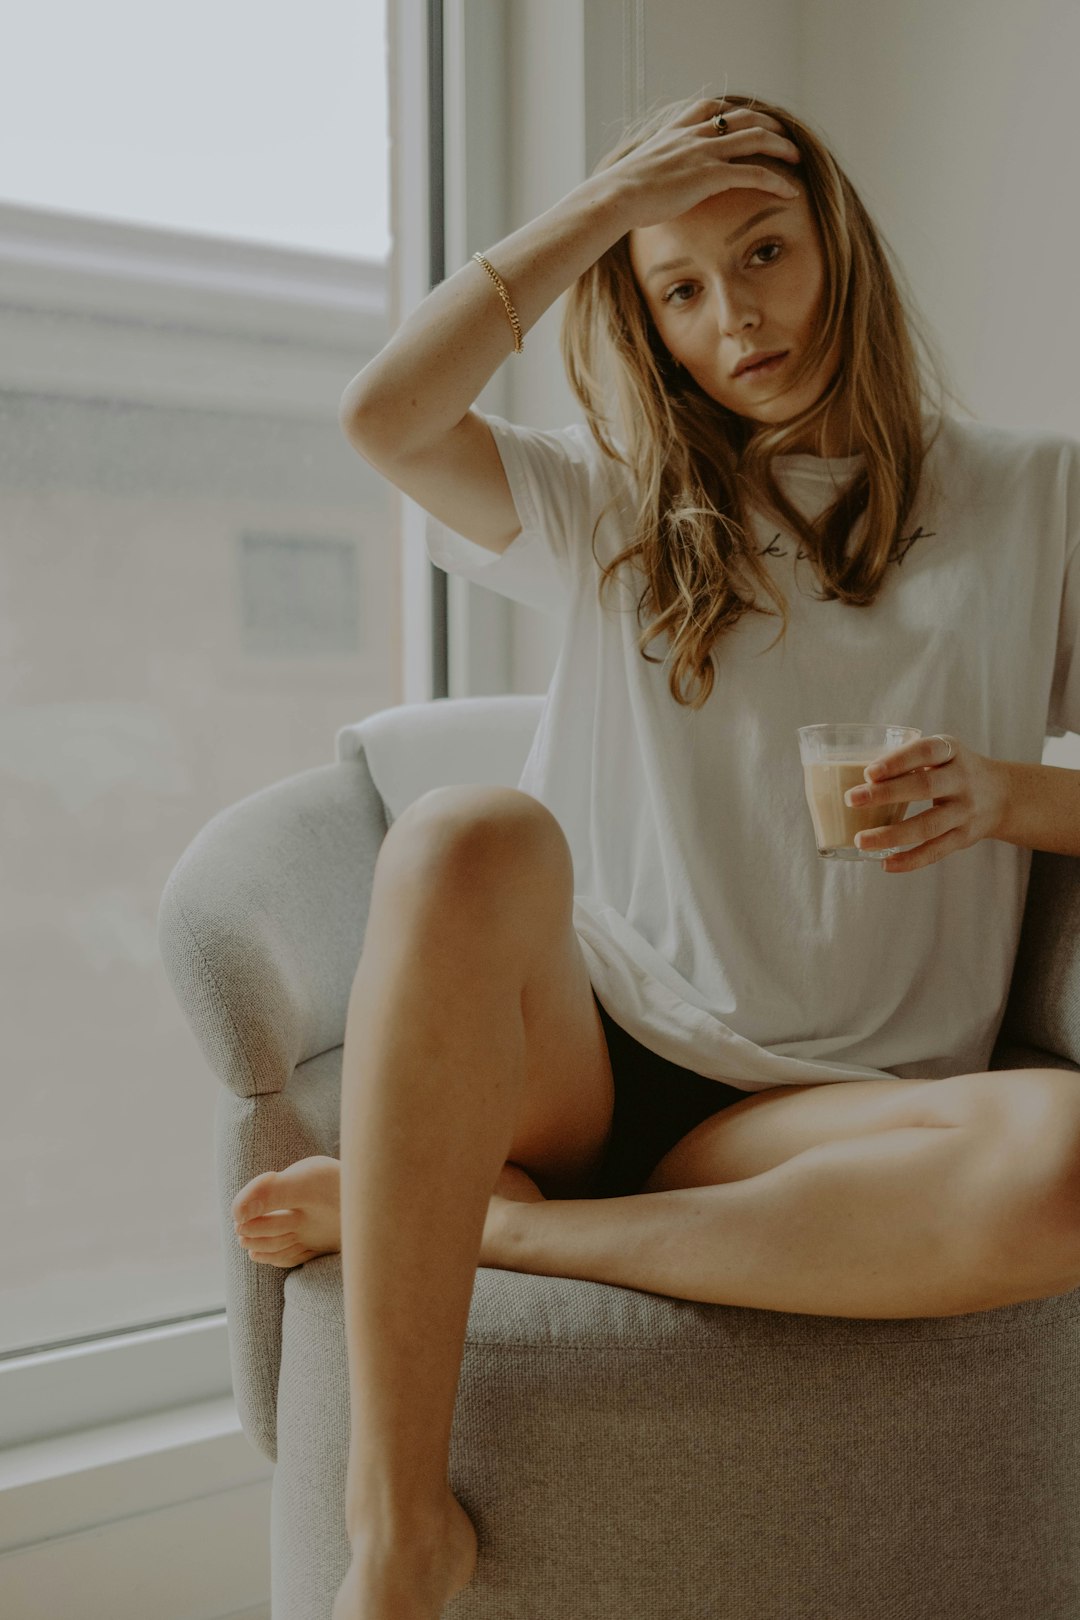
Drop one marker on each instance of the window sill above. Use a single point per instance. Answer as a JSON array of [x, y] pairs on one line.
[[105, 1520], [109, 1379]]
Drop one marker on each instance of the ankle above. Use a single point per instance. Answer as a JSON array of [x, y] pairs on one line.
[[381, 1518]]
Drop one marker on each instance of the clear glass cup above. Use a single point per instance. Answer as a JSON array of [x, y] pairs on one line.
[[834, 758]]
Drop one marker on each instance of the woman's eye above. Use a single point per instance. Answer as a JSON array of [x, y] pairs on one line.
[[765, 246], [684, 286]]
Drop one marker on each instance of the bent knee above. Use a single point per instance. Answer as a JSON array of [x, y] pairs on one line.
[[447, 819], [480, 842]]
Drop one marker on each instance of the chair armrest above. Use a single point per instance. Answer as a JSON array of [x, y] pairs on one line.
[[261, 922], [254, 1135], [1043, 1008], [260, 928]]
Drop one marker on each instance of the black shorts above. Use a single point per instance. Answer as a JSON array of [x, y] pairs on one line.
[[656, 1104]]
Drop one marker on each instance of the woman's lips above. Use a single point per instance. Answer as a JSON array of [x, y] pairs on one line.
[[766, 368]]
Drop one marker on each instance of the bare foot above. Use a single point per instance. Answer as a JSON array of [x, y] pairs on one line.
[[412, 1578], [285, 1217]]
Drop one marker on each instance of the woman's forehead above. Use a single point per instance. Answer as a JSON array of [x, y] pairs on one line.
[[712, 222]]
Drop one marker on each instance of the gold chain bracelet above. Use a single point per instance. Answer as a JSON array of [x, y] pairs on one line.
[[505, 296]]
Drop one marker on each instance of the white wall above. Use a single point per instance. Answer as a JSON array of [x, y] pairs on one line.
[[956, 124]]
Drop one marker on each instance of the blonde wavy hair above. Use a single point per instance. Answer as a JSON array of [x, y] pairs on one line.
[[699, 467]]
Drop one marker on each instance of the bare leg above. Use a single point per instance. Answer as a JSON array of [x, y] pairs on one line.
[[431, 1075], [1035, 1113], [433, 1101], [913, 1221], [286, 1217]]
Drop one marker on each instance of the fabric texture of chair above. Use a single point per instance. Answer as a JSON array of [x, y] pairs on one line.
[[622, 1454]]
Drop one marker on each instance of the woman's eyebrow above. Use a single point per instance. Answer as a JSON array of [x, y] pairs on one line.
[[755, 219]]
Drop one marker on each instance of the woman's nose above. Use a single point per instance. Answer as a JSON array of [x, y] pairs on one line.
[[734, 309]]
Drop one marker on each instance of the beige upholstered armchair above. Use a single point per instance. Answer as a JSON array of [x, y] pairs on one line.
[[624, 1456]]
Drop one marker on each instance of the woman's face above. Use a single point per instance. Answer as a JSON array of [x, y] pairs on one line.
[[743, 282]]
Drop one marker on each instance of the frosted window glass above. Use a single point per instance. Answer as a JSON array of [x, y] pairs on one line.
[[143, 688], [192, 602]]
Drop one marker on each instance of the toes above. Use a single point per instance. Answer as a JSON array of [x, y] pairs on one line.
[[254, 1198], [294, 1255], [276, 1225], [264, 1193], [262, 1248]]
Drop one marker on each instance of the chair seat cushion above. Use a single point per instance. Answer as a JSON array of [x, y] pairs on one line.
[[783, 1464]]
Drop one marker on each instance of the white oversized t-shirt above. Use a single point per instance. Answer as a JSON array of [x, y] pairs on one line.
[[712, 930]]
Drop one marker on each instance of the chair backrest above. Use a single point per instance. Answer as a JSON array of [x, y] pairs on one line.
[[418, 746]]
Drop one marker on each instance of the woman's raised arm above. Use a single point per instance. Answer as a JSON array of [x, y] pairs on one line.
[[419, 387]]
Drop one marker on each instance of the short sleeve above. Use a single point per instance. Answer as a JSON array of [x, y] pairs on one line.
[[560, 482], [1064, 713]]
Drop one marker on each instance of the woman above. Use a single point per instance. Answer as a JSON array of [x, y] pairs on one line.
[[622, 1023]]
